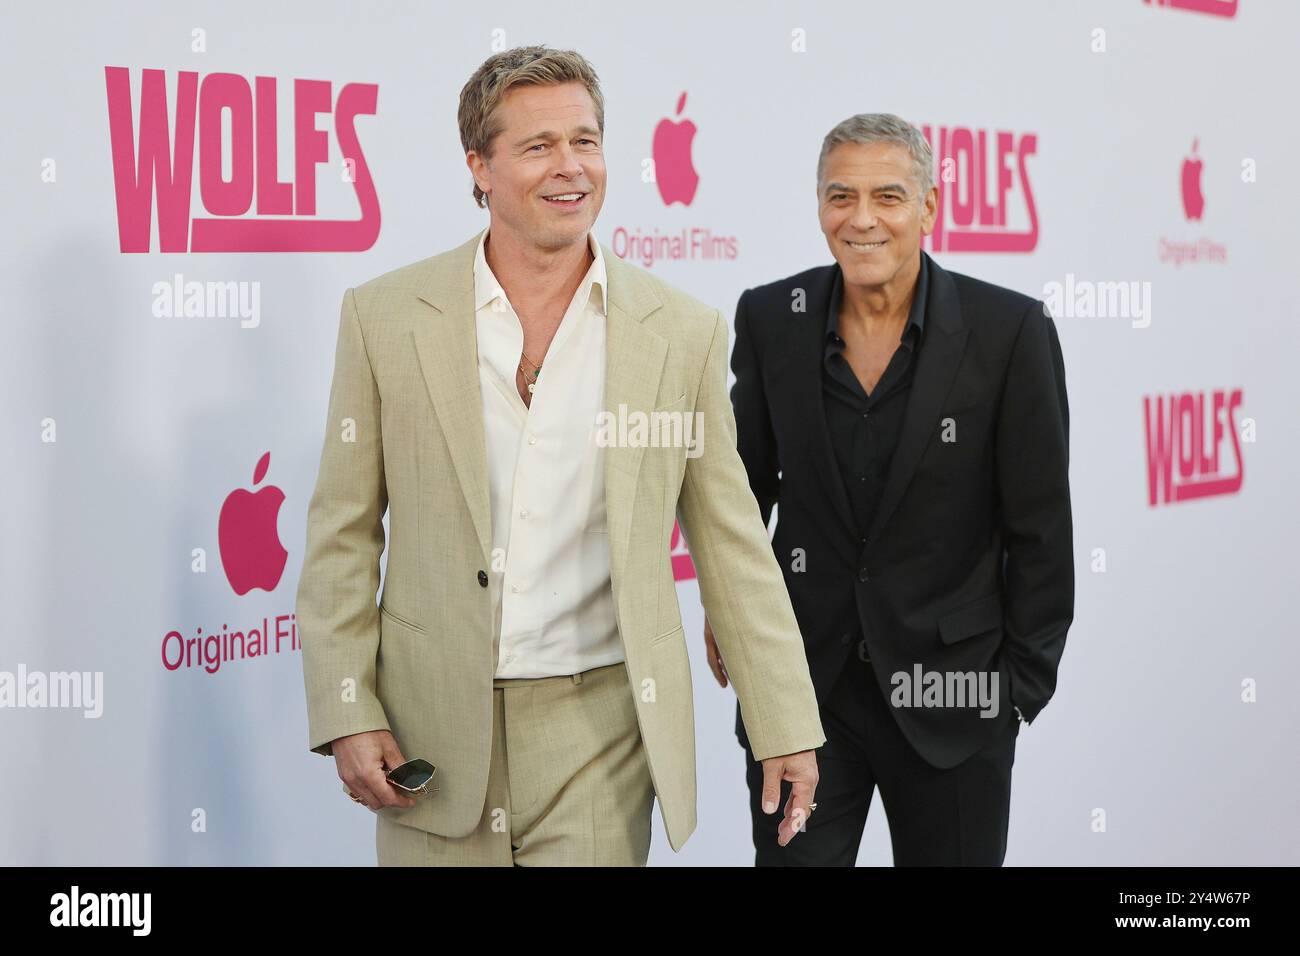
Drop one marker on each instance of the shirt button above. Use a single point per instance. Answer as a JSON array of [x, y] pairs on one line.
[[863, 576], [864, 414], [482, 579], [532, 439], [514, 589], [523, 512]]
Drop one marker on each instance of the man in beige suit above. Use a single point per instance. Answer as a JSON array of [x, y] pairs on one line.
[[528, 640]]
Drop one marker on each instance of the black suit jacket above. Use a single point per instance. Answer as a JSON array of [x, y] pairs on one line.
[[968, 565]]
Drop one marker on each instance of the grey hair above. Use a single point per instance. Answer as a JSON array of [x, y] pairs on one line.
[[866, 128]]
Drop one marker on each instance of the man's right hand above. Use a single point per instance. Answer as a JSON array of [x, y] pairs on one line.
[[362, 760]]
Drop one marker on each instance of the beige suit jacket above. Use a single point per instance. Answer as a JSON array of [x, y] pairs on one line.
[[405, 433]]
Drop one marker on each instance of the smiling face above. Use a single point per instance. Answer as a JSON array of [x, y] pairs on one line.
[[872, 212], [549, 147]]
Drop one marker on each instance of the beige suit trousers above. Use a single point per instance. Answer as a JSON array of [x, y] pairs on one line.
[[568, 785]]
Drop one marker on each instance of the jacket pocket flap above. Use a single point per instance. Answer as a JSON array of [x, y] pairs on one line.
[[405, 622], [673, 404], [975, 618], [666, 635]]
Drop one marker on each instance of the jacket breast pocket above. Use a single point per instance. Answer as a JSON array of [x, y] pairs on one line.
[[978, 617]]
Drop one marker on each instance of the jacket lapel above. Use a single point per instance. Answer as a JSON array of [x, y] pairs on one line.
[[447, 347], [936, 368], [634, 363], [808, 353]]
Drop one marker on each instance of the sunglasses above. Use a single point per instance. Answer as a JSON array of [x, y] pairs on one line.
[[413, 777]]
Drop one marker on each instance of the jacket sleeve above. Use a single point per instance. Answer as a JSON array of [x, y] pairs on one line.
[[741, 586], [337, 613], [1033, 461]]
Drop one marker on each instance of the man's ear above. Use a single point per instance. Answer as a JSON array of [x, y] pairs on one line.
[[478, 168], [929, 210]]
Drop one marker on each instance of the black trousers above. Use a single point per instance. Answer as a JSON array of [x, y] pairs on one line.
[[955, 817]]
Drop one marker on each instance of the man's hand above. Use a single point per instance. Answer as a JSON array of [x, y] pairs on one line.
[[361, 761], [714, 656], [801, 770]]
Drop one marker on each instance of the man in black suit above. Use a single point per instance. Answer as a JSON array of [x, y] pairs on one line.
[[912, 425]]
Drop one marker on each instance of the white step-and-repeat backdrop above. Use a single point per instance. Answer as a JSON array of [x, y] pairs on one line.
[[180, 228]]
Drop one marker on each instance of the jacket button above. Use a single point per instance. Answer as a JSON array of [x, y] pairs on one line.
[[482, 579], [863, 576]]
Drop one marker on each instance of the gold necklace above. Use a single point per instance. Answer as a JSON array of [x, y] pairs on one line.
[[537, 371]]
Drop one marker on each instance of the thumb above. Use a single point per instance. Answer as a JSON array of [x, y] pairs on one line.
[[392, 755], [771, 784]]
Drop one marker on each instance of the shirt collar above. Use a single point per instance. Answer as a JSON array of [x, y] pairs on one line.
[[915, 315], [593, 285]]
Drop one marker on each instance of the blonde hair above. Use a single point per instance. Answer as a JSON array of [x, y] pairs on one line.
[[501, 72]]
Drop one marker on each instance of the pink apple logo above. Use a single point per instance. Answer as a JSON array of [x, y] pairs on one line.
[[1215, 8], [674, 172], [683, 566], [1193, 201], [250, 545]]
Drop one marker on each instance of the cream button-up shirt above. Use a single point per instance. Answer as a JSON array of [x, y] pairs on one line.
[[550, 577]]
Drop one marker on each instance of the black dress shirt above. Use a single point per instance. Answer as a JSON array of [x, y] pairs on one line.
[[864, 428]]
